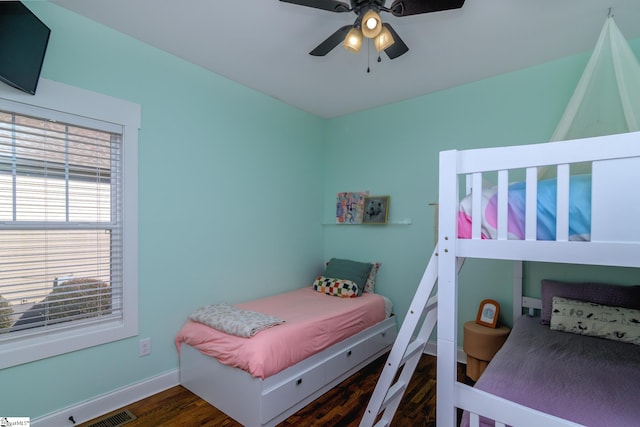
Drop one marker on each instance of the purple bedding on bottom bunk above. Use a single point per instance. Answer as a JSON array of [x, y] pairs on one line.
[[588, 380]]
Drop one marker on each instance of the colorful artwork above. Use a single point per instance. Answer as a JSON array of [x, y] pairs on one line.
[[350, 207]]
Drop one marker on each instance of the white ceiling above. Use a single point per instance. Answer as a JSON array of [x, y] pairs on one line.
[[264, 44]]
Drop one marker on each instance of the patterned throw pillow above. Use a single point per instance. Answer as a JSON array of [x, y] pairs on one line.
[[586, 318], [336, 287], [599, 293], [370, 284]]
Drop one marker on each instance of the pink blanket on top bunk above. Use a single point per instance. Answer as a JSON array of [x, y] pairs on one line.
[[579, 211], [313, 322]]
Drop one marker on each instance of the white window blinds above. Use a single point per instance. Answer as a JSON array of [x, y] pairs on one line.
[[61, 243]]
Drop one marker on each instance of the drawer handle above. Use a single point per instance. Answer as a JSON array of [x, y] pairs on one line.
[[348, 353], [299, 381]]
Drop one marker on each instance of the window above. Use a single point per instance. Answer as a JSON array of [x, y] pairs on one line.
[[65, 197]]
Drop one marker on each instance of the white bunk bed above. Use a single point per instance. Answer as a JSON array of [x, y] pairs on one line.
[[615, 241]]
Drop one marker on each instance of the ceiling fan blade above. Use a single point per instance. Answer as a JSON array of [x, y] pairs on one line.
[[398, 47], [330, 5], [416, 7], [332, 41]]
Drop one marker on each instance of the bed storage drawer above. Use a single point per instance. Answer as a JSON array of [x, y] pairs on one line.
[[317, 374], [384, 338], [360, 351], [291, 391]]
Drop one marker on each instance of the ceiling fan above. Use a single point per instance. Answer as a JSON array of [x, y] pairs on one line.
[[369, 24]]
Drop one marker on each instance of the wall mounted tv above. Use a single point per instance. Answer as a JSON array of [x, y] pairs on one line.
[[23, 43]]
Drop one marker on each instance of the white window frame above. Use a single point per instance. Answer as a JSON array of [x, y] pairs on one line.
[[60, 98]]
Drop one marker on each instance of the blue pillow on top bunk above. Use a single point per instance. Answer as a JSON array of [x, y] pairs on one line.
[[345, 269], [598, 293]]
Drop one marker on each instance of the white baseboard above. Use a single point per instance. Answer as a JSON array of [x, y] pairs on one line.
[[432, 349], [101, 405]]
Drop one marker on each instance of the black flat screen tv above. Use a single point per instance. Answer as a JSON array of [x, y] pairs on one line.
[[23, 43]]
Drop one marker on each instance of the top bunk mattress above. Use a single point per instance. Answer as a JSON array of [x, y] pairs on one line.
[[313, 322], [588, 380]]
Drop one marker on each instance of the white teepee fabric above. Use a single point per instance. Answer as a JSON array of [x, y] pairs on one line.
[[607, 98]]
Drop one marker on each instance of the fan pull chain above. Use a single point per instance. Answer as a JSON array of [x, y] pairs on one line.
[[368, 55]]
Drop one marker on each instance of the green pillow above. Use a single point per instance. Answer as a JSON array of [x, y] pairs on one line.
[[346, 269]]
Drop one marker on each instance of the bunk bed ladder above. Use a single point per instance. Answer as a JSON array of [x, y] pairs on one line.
[[406, 351]]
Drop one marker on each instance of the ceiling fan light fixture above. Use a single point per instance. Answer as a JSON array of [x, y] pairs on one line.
[[353, 40], [384, 40], [371, 24]]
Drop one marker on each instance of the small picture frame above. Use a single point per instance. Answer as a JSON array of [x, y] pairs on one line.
[[376, 210], [488, 313]]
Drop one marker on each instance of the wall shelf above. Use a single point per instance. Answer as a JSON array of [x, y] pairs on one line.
[[408, 221]]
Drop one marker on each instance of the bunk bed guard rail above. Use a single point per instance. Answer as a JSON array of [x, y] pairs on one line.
[[614, 239]]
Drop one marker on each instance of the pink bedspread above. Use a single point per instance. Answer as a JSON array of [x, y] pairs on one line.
[[313, 322]]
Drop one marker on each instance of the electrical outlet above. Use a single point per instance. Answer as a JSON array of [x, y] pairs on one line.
[[145, 347]]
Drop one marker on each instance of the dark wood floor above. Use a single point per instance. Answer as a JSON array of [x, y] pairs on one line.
[[342, 406]]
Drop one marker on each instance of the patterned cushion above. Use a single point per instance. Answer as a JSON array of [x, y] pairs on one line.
[[370, 284], [336, 287], [586, 318], [599, 293]]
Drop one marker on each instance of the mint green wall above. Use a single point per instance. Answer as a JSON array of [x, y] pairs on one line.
[[398, 156], [231, 198], [393, 150], [229, 203]]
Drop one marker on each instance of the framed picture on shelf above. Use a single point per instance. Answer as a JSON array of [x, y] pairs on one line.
[[350, 207], [376, 210], [488, 313]]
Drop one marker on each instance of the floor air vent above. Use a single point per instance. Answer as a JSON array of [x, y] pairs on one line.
[[115, 420]]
